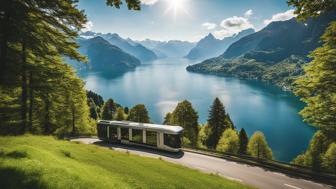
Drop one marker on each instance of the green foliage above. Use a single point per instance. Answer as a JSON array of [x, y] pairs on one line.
[[309, 8], [120, 115], [126, 110], [243, 141], [39, 92], [317, 86], [202, 136], [258, 147], [109, 109], [229, 142], [329, 159], [281, 73], [185, 116], [313, 157], [168, 119], [51, 163], [218, 121], [139, 113], [131, 4]]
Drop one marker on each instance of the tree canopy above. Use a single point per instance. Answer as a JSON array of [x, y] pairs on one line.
[[317, 86], [243, 141], [139, 113], [185, 116], [229, 142], [309, 8], [258, 147]]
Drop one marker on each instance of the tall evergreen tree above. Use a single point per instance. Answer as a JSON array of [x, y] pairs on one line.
[[139, 114], [243, 141], [217, 123], [168, 119]]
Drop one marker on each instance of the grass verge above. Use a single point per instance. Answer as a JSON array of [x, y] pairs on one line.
[[45, 162]]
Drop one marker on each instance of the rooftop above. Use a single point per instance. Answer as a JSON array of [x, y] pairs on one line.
[[167, 128]]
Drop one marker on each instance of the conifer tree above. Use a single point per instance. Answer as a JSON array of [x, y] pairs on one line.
[[217, 123], [243, 141]]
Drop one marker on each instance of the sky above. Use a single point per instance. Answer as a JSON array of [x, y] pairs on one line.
[[187, 20]]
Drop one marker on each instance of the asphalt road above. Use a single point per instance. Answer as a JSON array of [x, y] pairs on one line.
[[251, 175]]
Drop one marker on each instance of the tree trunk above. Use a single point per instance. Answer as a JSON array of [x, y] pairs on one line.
[[4, 40], [23, 88], [31, 101], [46, 115], [73, 120]]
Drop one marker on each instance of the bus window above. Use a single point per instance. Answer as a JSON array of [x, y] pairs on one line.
[[151, 138], [113, 133], [102, 131], [124, 133], [137, 135], [173, 141]]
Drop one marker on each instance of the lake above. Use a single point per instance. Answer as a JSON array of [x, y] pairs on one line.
[[253, 105]]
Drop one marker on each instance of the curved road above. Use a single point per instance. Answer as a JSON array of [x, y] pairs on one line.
[[251, 175]]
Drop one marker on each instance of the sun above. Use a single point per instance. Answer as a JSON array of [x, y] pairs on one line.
[[176, 6]]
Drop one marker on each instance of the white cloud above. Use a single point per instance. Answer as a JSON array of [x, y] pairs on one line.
[[87, 26], [280, 17], [149, 2], [233, 25], [209, 26], [248, 13]]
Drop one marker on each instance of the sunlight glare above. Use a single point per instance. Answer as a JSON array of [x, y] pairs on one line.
[[176, 6]]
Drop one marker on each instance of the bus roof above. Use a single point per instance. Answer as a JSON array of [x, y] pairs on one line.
[[156, 127]]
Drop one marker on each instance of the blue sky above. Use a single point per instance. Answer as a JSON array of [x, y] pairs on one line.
[[184, 19]]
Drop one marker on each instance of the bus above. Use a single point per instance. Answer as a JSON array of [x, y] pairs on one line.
[[162, 137]]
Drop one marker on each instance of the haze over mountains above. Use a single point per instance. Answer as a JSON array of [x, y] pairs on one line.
[[276, 53], [172, 48], [210, 47], [104, 57]]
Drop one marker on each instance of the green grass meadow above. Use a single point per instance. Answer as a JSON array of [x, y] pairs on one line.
[[45, 162]]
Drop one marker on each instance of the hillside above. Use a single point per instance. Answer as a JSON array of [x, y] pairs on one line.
[[275, 54], [104, 57], [210, 47], [279, 40], [44, 162], [131, 47]]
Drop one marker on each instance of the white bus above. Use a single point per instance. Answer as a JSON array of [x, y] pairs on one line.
[[163, 137]]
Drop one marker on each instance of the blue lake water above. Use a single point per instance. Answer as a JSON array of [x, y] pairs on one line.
[[253, 105]]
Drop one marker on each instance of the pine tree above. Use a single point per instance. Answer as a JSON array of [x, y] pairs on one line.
[[243, 141], [217, 123]]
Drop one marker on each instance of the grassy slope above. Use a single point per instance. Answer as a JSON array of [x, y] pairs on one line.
[[43, 162]]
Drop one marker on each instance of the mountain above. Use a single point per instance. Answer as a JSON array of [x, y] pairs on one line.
[[275, 54], [130, 47], [209, 46], [279, 40], [104, 57], [172, 48]]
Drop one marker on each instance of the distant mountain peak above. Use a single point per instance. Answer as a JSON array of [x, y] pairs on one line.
[[210, 36]]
